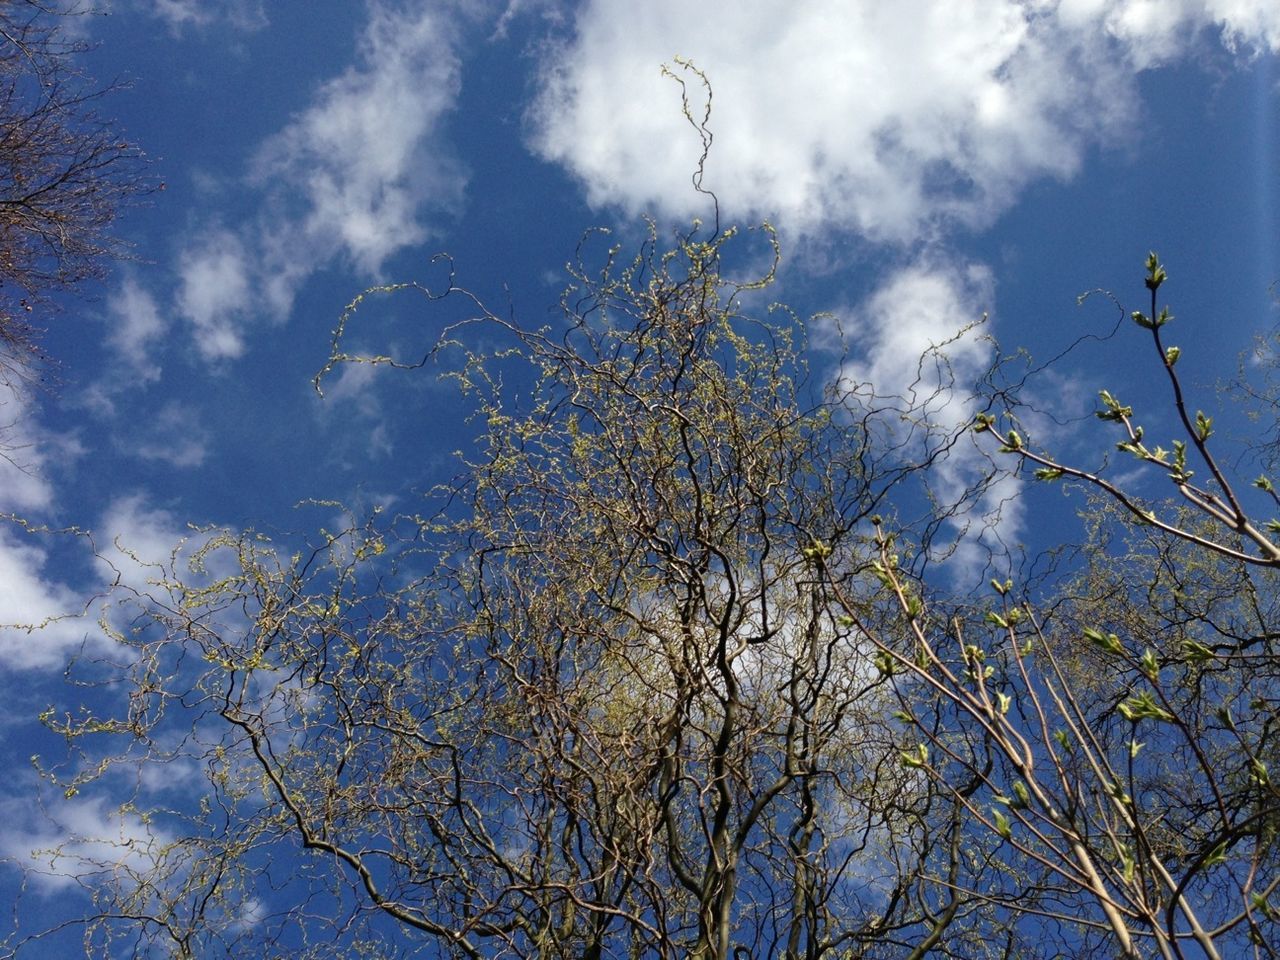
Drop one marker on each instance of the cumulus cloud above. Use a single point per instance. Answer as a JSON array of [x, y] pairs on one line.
[[23, 485], [45, 615], [356, 157], [357, 175], [139, 542], [893, 121]]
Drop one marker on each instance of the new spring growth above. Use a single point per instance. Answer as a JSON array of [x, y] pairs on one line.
[[916, 758], [1114, 410], [1107, 642], [1143, 706], [1156, 274]]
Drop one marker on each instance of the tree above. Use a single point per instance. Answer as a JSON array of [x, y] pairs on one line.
[[659, 676], [596, 704], [64, 171], [1126, 737]]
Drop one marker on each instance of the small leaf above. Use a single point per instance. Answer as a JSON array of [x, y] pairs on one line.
[[1022, 796], [1155, 272], [1107, 642], [1204, 426], [1003, 826], [1149, 665], [917, 758], [1126, 865], [1195, 652], [1171, 355], [885, 663], [1012, 442], [1217, 855], [1258, 772], [1049, 473], [1143, 706]]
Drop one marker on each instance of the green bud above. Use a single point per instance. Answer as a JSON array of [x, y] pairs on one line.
[[1204, 425], [1107, 642], [1155, 272], [1149, 665], [916, 758], [1143, 706]]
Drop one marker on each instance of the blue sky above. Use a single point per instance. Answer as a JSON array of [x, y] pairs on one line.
[[925, 162]]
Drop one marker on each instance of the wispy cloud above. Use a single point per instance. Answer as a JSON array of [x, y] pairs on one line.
[[922, 346], [356, 176], [41, 619], [23, 485], [135, 328], [176, 435], [87, 840], [216, 277], [48, 613], [240, 14]]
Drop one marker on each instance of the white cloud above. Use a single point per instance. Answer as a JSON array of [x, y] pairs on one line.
[[356, 155], [87, 841], [215, 293], [44, 617], [135, 326], [175, 436], [23, 486], [41, 620], [138, 542], [890, 120], [241, 14], [919, 337], [357, 175], [913, 321]]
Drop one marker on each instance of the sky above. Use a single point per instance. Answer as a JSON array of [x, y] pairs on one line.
[[925, 162]]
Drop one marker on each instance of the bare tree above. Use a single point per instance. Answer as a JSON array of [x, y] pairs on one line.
[[64, 171]]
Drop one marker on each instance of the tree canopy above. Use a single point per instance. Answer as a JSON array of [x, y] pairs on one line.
[[664, 673]]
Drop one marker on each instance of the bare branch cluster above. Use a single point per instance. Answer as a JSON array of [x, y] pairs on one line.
[[64, 171]]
